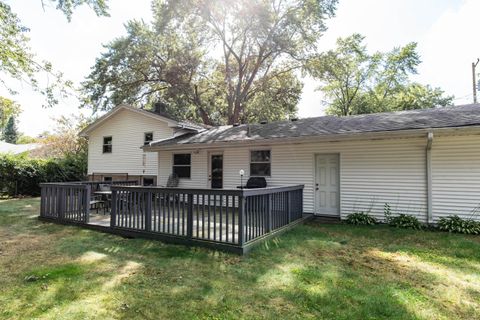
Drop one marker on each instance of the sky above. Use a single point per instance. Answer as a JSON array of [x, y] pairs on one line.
[[445, 30]]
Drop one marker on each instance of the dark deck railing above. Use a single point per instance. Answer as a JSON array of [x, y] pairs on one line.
[[70, 201], [228, 217]]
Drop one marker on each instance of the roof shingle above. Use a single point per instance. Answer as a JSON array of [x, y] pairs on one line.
[[445, 117]]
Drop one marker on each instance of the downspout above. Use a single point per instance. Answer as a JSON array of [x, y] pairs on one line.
[[429, 177]]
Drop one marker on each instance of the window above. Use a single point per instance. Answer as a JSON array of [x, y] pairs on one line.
[[107, 179], [107, 144], [260, 163], [147, 138], [182, 164], [148, 181]]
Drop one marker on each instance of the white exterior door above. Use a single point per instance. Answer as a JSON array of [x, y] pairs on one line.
[[327, 186]]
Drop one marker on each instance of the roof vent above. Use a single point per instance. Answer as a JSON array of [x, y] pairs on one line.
[[236, 124], [293, 119], [263, 122]]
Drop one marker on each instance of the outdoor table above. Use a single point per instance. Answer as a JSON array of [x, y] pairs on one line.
[[105, 196]]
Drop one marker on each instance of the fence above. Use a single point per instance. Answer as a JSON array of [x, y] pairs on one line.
[[217, 215], [228, 217]]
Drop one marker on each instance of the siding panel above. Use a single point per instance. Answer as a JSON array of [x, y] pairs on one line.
[[455, 176], [372, 173], [127, 130]]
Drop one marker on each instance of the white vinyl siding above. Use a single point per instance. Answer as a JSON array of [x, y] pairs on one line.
[[372, 172], [455, 176], [127, 129]]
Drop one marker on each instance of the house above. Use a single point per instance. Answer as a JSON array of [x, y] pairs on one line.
[[6, 147], [114, 142], [421, 162]]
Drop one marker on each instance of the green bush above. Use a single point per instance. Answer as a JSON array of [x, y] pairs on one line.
[[405, 221], [21, 175], [360, 218], [459, 225]]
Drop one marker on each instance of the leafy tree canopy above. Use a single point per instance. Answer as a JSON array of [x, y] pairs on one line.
[[68, 6], [356, 82], [17, 60], [215, 61]]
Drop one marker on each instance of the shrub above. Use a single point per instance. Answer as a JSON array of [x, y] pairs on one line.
[[405, 221], [459, 225], [21, 175], [360, 218], [387, 212]]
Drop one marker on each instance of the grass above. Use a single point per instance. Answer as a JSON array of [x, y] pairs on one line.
[[315, 271]]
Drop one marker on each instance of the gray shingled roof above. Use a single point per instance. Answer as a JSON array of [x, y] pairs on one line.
[[460, 116]]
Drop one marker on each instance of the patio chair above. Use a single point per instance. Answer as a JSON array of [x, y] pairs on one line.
[[96, 202], [107, 198], [172, 182]]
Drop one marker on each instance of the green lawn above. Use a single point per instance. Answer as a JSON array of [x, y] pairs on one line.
[[316, 271]]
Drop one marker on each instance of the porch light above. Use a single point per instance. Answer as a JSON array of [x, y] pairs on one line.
[[241, 172]]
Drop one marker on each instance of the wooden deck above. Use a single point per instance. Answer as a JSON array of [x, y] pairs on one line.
[[232, 220]]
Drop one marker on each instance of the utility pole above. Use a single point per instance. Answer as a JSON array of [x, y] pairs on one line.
[[474, 75]]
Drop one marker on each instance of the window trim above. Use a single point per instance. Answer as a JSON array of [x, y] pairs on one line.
[[250, 162], [107, 144], [182, 165], [145, 142]]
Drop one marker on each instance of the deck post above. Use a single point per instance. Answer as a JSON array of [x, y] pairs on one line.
[[113, 213], [241, 220], [60, 193], [190, 216], [148, 211], [269, 212], [42, 201], [86, 203], [289, 207]]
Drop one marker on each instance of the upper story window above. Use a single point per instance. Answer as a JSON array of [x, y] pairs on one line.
[[182, 165], [260, 163], [107, 144], [147, 138]]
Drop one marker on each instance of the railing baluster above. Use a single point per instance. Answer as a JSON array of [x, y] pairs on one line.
[[239, 216]]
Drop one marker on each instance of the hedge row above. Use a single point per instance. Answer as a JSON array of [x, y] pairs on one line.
[[21, 175]]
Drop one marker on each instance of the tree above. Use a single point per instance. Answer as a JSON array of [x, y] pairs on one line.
[[214, 60], [10, 134], [356, 82], [100, 7], [17, 60], [8, 109], [64, 141], [25, 139]]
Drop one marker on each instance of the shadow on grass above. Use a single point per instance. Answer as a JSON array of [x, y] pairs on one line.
[[313, 271]]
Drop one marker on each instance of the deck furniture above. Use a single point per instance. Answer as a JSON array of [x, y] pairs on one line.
[[106, 198], [96, 202], [254, 182]]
